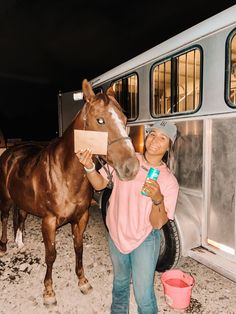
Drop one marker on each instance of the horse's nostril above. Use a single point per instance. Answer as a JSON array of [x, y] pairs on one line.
[[129, 173], [129, 169]]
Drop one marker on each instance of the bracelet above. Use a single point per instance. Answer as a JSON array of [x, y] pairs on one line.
[[88, 170], [158, 202]]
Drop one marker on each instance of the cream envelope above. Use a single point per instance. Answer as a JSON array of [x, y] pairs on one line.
[[96, 141]]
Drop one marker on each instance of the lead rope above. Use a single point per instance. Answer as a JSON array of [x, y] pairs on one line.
[[107, 170]]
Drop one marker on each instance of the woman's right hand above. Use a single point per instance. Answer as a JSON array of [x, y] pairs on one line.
[[85, 157], [95, 178]]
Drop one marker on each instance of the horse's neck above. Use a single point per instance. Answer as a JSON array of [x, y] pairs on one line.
[[77, 123], [66, 142]]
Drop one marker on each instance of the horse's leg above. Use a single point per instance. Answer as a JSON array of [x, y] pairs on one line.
[[77, 231], [49, 236], [19, 217], [5, 209]]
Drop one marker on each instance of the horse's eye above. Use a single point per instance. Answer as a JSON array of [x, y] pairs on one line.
[[100, 121]]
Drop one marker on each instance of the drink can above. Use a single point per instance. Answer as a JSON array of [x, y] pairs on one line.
[[152, 174]]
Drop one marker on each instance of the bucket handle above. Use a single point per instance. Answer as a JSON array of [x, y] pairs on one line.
[[189, 273]]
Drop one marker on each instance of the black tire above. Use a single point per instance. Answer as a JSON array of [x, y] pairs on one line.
[[170, 243], [170, 247]]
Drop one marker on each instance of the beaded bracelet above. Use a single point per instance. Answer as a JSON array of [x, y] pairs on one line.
[[88, 170]]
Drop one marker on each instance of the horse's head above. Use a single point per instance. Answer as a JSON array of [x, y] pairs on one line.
[[102, 112]]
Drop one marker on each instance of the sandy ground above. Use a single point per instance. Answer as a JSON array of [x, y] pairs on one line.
[[22, 274]]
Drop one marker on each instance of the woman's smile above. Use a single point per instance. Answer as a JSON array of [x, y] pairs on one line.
[[154, 147]]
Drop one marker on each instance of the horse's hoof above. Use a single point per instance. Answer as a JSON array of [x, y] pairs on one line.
[[3, 248], [2, 253], [86, 288], [49, 299], [20, 246], [22, 249]]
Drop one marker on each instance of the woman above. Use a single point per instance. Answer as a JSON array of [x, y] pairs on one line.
[[134, 220]]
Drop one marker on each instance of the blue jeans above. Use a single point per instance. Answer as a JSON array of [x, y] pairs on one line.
[[139, 265]]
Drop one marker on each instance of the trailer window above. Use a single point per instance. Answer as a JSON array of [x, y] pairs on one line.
[[232, 79], [126, 93], [176, 84]]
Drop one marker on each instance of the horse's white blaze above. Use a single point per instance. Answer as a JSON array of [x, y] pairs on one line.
[[19, 239], [120, 126]]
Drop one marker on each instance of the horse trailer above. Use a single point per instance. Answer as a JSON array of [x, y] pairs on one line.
[[189, 79]]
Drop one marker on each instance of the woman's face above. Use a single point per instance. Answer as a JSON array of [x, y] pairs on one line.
[[157, 143]]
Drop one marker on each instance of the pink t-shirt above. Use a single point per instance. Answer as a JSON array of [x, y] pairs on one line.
[[128, 212]]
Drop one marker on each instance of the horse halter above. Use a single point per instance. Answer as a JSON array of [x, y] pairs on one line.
[[119, 139], [109, 142]]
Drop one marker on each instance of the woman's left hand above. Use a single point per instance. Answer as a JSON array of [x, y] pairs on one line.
[[152, 188]]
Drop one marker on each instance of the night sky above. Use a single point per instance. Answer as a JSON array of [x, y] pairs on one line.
[[51, 46]]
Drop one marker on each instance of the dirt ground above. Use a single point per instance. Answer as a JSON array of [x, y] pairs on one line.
[[22, 273]]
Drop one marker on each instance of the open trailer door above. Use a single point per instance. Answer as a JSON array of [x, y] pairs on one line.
[[69, 104]]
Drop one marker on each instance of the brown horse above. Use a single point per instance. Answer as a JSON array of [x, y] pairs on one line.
[[51, 183]]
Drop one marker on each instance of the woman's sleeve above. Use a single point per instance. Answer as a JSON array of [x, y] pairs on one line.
[[170, 197]]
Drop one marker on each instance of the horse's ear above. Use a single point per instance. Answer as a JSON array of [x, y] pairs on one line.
[[87, 90], [110, 92]]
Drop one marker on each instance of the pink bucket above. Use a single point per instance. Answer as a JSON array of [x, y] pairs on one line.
[[177, 288]]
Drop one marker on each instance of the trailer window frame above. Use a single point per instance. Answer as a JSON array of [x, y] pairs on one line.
[[171, 106], [230, 70], [128, 96]]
